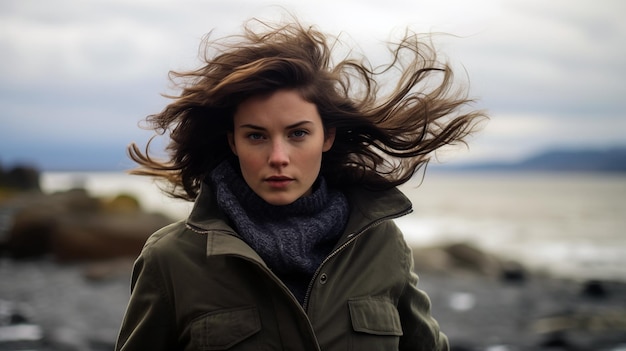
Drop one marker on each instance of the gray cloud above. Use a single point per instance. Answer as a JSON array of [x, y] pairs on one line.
[[85, 73]]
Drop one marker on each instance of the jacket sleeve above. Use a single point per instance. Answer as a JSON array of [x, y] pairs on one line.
[[420, 329], [149, 320]]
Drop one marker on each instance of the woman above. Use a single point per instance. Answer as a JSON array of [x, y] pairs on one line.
[[292, 160]]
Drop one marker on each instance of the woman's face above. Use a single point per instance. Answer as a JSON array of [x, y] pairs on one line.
[[279, 140]]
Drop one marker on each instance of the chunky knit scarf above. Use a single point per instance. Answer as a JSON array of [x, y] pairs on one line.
[[292, 239]]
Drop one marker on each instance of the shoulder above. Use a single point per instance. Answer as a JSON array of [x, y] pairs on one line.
[[377, 204], [392, 196], [165, 236], [172, 241], [377, 210], [374, 212]]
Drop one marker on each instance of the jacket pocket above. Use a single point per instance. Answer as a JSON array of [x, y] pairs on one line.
[[224, 329], [376, 323]]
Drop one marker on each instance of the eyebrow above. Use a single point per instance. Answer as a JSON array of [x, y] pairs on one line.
[[291, 126]]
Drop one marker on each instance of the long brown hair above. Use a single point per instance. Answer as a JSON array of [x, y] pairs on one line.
[[382, 139]]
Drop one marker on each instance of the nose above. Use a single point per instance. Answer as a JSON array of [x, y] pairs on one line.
[[279, 156]]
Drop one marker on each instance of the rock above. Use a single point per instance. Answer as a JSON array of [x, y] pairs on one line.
[[556, 340], [513, 272], [432, 259], [16, 331], [34, 218], [74, 201], [30, 232], [594, 289], [72, 225], [581, 329], [21, 178], [103, 236], [470, 258], [462, 258], [122, 203]]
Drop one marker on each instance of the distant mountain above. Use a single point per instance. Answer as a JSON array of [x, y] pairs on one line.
[[583, 160]]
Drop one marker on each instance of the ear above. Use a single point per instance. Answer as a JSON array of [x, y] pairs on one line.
[[231, 142], [329, 138]]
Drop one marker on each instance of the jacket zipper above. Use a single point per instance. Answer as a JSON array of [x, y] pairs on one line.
[[351, 238], [288, 292]]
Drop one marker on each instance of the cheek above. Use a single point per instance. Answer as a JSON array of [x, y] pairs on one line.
[[311, 159], [249, 163]]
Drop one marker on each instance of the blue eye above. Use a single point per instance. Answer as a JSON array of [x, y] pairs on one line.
[[255, 136], [299, 133]]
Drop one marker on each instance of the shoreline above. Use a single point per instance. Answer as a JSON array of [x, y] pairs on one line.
[[574, 228]]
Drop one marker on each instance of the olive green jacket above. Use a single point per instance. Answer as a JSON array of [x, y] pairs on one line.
[[197, 286]]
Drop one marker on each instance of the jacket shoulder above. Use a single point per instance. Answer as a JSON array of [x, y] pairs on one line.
[[368, 207], [378, 202], [164, 234], [175, 238]]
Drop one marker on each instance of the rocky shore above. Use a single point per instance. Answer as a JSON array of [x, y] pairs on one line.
[[50, 306], [538, 313], [65, 262]]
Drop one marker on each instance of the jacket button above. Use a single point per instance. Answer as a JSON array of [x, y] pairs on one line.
[[323, 278]]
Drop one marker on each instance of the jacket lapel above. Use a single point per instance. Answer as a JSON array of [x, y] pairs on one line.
[[225, 243]]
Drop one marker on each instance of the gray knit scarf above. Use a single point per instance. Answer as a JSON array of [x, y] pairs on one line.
[[292, 239]]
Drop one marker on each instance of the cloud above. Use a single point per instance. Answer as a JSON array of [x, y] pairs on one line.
[[552, 57], [513, 137], [73, 47], [86, 72]]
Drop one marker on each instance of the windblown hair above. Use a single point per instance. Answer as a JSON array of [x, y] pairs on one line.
[[382, 139]]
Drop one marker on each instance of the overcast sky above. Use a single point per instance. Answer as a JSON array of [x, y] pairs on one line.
[[77, 76]]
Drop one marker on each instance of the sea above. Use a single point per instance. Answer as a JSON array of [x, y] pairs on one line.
[[570, 225]]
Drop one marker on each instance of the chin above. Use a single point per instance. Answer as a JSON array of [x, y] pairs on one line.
[[279, 200]]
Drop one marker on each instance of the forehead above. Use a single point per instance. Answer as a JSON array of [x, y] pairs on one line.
[[286, 106]]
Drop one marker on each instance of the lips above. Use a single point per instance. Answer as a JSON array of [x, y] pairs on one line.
[[278, 181]]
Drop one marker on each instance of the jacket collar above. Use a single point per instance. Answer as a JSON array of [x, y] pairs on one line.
[[206, 214], [207, 218], [366, 209]]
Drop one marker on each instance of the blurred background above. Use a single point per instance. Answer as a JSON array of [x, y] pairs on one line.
[[539, 194]]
